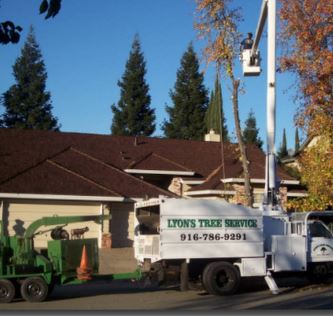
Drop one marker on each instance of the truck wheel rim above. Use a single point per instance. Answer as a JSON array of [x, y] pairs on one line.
[[34, 290], [222, 279], [4, 293]]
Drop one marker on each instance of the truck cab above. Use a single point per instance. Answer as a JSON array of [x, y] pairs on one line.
[[320, 244]]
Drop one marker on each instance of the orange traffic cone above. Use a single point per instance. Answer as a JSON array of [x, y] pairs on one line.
[[84, 271]]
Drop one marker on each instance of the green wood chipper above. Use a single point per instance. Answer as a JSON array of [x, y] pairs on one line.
[[32, 274]]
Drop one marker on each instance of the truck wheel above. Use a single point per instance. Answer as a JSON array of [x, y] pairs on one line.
[[319, 273], [221, 278], [34, 289], [7, 291]]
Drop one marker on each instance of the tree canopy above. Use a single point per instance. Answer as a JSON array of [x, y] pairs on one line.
[[189, 97], [133, 115], [27, 103], [214, 117], [297, 141], [283, 150], [217, 24], [307, 28], [250, 131]]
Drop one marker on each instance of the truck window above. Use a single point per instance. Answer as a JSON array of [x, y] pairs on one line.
[[318, 229], [149, 220], [296, 228]]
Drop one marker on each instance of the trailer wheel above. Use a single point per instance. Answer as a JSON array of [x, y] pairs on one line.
[[221, 278], [34, 289], [7, 291]]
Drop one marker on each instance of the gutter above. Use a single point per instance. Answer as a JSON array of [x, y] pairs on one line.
[[63, 197], [206, 192], [241, 180], [164, 172]]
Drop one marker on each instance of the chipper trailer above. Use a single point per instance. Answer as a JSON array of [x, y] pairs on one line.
[[25, 271], [219, 243]]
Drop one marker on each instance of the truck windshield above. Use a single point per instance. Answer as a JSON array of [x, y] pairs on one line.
[[318, 229]]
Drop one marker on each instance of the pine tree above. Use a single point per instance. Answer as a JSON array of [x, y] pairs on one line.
[[297, 141], [210, 115], [214, 116], [133, 115], [250, 132], [283, 151], [189, 97], [27, 104]]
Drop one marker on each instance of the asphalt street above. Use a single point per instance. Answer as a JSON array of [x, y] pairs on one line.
[[130, 296]]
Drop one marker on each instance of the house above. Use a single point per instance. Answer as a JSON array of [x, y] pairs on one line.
[[53, 173], [293, 161]]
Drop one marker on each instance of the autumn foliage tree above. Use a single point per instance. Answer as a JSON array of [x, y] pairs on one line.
[[307, 31], [217, 25], [307, 28], [316, 166]]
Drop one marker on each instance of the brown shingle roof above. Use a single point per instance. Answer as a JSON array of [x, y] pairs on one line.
[[89, 164], [48, 178]]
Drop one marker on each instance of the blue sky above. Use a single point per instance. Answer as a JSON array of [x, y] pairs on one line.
[[85, 48]]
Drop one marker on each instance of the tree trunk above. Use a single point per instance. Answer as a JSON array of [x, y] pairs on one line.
[[248, 191]]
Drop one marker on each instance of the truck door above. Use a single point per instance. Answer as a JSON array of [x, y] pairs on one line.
[[320, 242]]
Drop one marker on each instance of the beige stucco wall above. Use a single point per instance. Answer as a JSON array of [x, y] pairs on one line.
[[19, 214], [122, 224]]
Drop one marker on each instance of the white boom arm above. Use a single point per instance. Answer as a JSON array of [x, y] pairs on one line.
[[268, 11]]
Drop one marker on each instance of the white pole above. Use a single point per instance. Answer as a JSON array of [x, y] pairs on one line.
[[271, 100]]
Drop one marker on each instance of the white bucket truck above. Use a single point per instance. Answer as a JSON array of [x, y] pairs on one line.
[[221, 242]]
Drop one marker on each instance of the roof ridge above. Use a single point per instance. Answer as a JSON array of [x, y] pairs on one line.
[[133, 163], [173, 162], [213, 173], [82, 177], [120, 171], [35, 165], [93, 158]]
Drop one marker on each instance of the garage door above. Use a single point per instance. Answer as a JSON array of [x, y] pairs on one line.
[[19, 214], [122, 223]]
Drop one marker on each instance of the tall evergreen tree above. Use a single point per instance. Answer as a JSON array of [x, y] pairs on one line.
[[133, 115], [214, 116], [297, 141], [209, 114], [250, 131], [283, 151], [189, 97], [27, 103]]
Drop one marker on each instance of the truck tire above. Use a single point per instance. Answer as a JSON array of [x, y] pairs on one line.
[[319, 273], [7, 291], [34, 289], [221, 278]]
